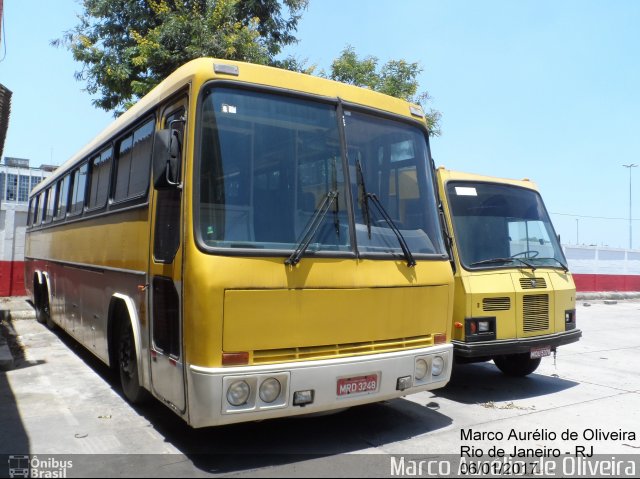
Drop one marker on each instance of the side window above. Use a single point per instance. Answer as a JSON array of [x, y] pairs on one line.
[[78, 188], [32, 202], [49, 204], [134, 163], [100, 173], [39, 208], [123, 167], [167, 236], [63, 198]]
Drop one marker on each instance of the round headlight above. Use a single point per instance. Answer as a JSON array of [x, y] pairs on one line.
[[437, 366], [270, 390], [422, 368], [238, 393]]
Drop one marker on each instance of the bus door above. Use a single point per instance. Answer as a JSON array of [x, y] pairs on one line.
[[165, 274]]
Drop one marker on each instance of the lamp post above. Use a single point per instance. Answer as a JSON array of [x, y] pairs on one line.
[[631, 165]]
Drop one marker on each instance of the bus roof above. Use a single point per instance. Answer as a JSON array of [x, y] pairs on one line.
[[200, 70], [445, 175]]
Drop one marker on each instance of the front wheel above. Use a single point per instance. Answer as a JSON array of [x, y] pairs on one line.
[[128, 365], [517, 365]]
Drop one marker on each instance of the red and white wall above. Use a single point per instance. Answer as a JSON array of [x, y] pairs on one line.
[[16, 180], [594, 269], [598, 269], [13, 221]]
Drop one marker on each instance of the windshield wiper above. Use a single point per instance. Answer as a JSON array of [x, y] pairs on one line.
[[403, 243], [336, 208], [312, 228], [504, 260], [562, 265], [366, 196]]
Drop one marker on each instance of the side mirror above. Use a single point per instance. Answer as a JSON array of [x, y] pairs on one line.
[[167, 158]]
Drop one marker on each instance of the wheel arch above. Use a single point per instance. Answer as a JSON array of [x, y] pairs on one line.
[[120, 305]]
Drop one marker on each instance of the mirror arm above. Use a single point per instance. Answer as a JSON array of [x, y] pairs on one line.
[[168, 179]]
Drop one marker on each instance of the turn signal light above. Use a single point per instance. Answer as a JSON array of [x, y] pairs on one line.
[[235, 359], [440, 338]]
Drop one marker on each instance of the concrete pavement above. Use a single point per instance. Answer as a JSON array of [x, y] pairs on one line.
[[59, 401]]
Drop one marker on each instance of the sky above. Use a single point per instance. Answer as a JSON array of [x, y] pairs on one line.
[[540, 89]]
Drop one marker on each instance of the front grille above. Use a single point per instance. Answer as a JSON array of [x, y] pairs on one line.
[[268, 356], [496, 304], [535, 312], [533, 283]]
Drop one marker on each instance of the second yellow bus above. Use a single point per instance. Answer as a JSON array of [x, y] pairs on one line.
[[514, 294]]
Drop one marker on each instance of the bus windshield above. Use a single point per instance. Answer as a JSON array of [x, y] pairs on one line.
[[269, 162], [502, 226]]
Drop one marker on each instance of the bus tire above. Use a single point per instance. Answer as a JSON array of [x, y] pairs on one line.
[[127, 363], [517, 365], [43, 309]]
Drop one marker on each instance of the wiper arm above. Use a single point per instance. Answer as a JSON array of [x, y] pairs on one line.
[[504, 260], [364, 197], [403, 243], [312, 228], [336, 208], [562, 265]]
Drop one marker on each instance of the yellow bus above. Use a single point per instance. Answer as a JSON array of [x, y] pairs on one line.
[[249, 243], [514, 295]]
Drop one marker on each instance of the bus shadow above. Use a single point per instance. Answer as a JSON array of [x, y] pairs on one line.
[[287, 442], [481, 383], [14, 440], [294, 441]]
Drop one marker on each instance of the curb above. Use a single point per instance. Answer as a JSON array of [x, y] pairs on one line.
[[607, 295]]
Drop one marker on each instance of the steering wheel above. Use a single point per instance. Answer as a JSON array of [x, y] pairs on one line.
[[527, 254]]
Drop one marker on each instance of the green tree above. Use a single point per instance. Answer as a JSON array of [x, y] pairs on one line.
[[126, 47], [396, 78]]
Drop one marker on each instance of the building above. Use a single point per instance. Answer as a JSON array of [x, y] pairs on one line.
[[16, 181]]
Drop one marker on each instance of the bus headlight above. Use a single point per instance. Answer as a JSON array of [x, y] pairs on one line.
[[437, 366], [238, 393], [270, 390], [422, 368]]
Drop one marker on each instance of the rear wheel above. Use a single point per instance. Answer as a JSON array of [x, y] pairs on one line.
[[128, 364], [518, 365], [43, 310]]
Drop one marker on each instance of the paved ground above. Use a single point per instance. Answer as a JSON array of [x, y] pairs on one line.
[[60, 404]]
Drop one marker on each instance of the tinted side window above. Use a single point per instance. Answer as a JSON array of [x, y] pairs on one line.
[[123, 168], [32, 202], [39, 207], [49, 201], [134, 162], [79, 181], [100, 173], [63, 197]]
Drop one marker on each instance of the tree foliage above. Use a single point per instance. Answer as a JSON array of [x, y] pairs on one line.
[[126, 47], [396, 78]]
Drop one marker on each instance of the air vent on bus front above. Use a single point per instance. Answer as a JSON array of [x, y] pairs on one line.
[[496, 304], [533, 283], [535, 312]]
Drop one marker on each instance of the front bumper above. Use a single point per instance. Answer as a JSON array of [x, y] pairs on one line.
[[500, 347], [207, 386]]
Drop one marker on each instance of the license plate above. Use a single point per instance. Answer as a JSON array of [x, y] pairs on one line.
[[540, 352], [357, 385]]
